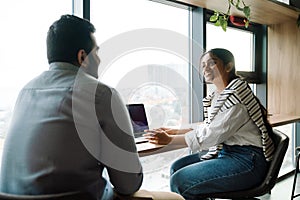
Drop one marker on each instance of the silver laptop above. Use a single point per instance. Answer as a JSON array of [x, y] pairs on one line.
[[139, 121]]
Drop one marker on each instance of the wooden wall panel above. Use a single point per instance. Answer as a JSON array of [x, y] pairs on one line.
[[262, 11], [284, 68]]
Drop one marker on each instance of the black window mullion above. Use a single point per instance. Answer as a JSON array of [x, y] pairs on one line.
[[260, 54], [86, 9]]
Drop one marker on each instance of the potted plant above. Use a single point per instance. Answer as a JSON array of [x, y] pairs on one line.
[[221, 18]]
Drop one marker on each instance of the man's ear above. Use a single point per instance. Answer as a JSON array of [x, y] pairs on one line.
[[229, 66], [81, 56]]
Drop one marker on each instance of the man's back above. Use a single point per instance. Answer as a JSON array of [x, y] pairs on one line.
[[43, 151]]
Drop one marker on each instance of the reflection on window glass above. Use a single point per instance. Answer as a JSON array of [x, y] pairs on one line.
[[239, 42], [23, 47], [146, 74]]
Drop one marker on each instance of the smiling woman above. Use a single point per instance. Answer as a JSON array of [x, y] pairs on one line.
[[235, 130]]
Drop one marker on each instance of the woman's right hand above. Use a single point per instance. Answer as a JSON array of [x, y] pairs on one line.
[[158, 136]]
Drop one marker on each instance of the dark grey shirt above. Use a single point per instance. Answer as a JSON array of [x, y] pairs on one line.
[[66, 128]]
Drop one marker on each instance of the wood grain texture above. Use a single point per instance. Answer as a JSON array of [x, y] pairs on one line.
[[262, 11], [284, 68]]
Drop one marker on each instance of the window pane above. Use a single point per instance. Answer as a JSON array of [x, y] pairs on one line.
[[239, 42], [150, 73], [23, 47], [156, 74], [112, 18]]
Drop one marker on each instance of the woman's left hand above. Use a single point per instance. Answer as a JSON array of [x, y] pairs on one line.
[[158, 136]]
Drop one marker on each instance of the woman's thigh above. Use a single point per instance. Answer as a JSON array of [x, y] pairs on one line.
[[184, 161], [225, 173]]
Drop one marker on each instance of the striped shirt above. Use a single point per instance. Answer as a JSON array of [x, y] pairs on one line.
[[238, 92]]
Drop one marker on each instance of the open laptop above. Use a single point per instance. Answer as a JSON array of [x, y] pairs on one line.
[[139, 121]]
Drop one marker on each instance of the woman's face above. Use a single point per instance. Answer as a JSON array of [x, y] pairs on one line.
[[212, 68]]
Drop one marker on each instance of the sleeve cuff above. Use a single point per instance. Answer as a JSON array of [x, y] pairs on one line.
[[192, 141]]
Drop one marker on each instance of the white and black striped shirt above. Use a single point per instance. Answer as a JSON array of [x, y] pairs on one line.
[[235, 119]]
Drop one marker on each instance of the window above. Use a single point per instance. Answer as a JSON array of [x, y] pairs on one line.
[[239, 42], [144, 51], [23, 47], [140, 57]]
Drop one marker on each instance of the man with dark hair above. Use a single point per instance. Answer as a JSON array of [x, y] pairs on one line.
[[68, 127]]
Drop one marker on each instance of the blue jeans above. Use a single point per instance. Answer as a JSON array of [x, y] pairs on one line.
[[236, 168]]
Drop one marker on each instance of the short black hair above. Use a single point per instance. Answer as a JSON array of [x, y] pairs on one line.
[[67, 36]]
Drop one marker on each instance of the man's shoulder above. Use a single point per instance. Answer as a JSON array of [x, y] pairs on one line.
[[104, 89], [51, 79], [93, 85], [35, 81]]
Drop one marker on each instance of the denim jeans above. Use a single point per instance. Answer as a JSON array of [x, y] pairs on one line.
[[236, 168]]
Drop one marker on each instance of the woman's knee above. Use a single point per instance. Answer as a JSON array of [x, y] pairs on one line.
[[183, 162], [176, 183], [183, 186]]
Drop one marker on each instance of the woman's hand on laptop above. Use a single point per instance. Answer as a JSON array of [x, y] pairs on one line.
[[158, 136]]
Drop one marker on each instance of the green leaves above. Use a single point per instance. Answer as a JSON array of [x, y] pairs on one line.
[[214, 17], [221, 19], [246, 11], [223, 22]]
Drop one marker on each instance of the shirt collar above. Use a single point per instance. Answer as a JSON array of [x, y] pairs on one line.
[[63, 66]]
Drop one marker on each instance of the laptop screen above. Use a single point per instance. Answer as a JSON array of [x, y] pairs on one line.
[[138, 118]]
